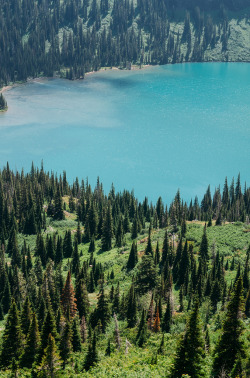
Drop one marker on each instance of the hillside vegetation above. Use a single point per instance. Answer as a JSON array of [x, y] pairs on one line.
[[103, 285], [71, 37]]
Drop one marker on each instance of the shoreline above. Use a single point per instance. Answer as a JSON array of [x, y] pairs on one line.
[[133, 67], [38, 79]]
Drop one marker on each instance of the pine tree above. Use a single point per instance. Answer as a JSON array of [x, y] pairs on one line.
[[230, 345], [149, 248], [190, 354], [76, 337], [107, 230], [147, 276], [167, 320], [133, 256], [92, 356], [82, 300], [26, 317], [51, 361], [48, 328], [32, 344], [204, 245], [131, 308], [12, 337], [66, 343], [68, 299], [102, 310], [142, 330], [58, 208]]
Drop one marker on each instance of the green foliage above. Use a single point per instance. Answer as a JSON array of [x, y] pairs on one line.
[[12, 338], [190, 355]]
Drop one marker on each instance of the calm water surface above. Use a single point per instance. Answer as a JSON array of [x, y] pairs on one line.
[[153, 130]]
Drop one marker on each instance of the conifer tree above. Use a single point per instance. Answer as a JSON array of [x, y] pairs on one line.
[[82, 300], [131, 308], [48, 328], [75, 259], [142, 330], [68, 299], [58, 208], [133, 256], [146, 278], [26, 317], [157, 254], [92, 356], [102, 310], [32, 344], [190, 354], [230, 345], [51, 361], [107, 230], [12, 337], [204, 245], [167, 320], [92, 244], [149, 248], [83, 329], [66, 343], [76, 337]]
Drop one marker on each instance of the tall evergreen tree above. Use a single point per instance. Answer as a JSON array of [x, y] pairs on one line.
[[133, 256], [190, 354], [68, 299], [107, 230], [51, 361], [12, 338], [32, 344], [230, 344]]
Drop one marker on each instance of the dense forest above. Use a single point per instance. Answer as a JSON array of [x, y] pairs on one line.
[[95, 284], [71, 37]]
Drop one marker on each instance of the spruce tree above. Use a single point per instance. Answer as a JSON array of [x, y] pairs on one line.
[[32, 344], [26, 317], [133, 256], [92, 356], [142, 333], [68, 299], [102, 310], [12, 337], [51, 361], [230, 345], [66, 343], [107, 230], [76, 337], [167, 320], [131, 308], [204, 245], [48, 328], [58, 208], [190, 354], [82, 300]]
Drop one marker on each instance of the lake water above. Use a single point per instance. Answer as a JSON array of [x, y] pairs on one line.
[[153, 130]]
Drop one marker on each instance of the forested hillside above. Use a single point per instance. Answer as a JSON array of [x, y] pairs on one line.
[[71, 37], [95, 284]]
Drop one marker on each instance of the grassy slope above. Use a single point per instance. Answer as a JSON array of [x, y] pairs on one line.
[[230, 239]]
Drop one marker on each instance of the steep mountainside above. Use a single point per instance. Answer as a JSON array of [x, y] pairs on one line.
[[72, 37]]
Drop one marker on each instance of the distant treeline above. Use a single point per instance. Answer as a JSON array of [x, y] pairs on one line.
[[25, 199], [75, 36]]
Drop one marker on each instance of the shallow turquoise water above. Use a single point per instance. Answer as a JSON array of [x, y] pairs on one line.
[[153, 130]]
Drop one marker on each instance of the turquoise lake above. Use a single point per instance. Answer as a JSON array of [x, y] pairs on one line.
[[153, 130]]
